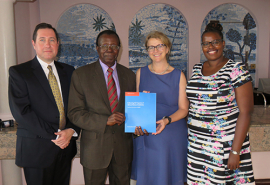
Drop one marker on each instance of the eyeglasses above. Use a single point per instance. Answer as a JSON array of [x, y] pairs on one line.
[[214, 43], [159, 47], [106, 47]]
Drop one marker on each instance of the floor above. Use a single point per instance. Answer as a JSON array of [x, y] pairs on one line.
[[259, 182], [263, 182]]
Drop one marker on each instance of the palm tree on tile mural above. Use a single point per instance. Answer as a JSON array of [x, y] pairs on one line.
[[136, 34], [100, 24], [136, 38], [112, 27]]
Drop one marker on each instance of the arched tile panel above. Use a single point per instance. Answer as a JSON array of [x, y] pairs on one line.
[[164, 18], [78, 28]]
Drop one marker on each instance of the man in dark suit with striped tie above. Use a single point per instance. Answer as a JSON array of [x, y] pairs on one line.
[[96, 105], [38, 99]]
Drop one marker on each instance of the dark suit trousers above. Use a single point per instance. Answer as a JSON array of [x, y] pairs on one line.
[[118, 175], [56, 174]]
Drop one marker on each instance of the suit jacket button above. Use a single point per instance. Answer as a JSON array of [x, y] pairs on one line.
[[113, 132]]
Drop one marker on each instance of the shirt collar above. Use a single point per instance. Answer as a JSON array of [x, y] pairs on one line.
[[44, 64], [105, 67]]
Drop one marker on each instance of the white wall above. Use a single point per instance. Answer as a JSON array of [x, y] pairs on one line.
[[261, 163]]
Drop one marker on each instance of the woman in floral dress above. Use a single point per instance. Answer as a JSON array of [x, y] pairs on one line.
[[221, 101]]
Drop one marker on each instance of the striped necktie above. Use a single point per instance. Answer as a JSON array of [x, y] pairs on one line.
[[112, 92], [58, 98]]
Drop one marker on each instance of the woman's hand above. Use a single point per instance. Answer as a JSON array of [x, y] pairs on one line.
[[161, 126], [139, 132], [233, 161]]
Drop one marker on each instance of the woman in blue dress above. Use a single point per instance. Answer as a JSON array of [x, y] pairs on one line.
[[160, 158]]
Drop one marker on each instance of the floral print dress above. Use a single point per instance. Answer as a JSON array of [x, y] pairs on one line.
[[213, 113]]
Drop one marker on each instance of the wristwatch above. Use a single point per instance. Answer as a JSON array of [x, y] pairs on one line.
[[235, 152], [169, 118]]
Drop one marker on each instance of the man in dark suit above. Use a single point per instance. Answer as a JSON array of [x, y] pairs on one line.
[[99, 111], [45, 137]]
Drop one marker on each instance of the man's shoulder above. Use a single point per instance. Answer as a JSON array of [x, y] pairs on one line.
[[23, 66], [87, 67], [124, 69], [64, 66]]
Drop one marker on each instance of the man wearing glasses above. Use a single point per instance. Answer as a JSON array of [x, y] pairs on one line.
[[96, 104]]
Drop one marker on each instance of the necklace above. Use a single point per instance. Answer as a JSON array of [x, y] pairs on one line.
[[160, 72]]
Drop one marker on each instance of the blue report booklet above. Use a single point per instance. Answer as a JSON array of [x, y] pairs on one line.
[[140, 110]]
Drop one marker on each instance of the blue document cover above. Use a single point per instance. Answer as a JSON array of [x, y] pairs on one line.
[[140, 110]]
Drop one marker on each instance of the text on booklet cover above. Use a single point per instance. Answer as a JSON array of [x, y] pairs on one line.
[[140, 110]]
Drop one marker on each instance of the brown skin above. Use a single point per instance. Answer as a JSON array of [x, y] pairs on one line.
[[244, 99], [139, 132], [109, 58], [215, 59], [243, 94], [116, 118]]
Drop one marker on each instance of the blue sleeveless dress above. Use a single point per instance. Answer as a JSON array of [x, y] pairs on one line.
[[161, 159]]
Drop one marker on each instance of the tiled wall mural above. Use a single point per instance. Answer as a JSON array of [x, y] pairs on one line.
[[163, 18], [78, 28], [239, 31]]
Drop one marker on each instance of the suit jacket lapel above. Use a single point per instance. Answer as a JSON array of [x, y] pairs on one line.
[[122, 83], [41, 77], [99, 78]]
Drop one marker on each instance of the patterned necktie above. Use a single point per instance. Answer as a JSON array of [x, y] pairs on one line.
[[57, 97], [112, 92]]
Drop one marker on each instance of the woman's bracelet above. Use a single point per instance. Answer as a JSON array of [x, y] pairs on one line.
[[235, 152]]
